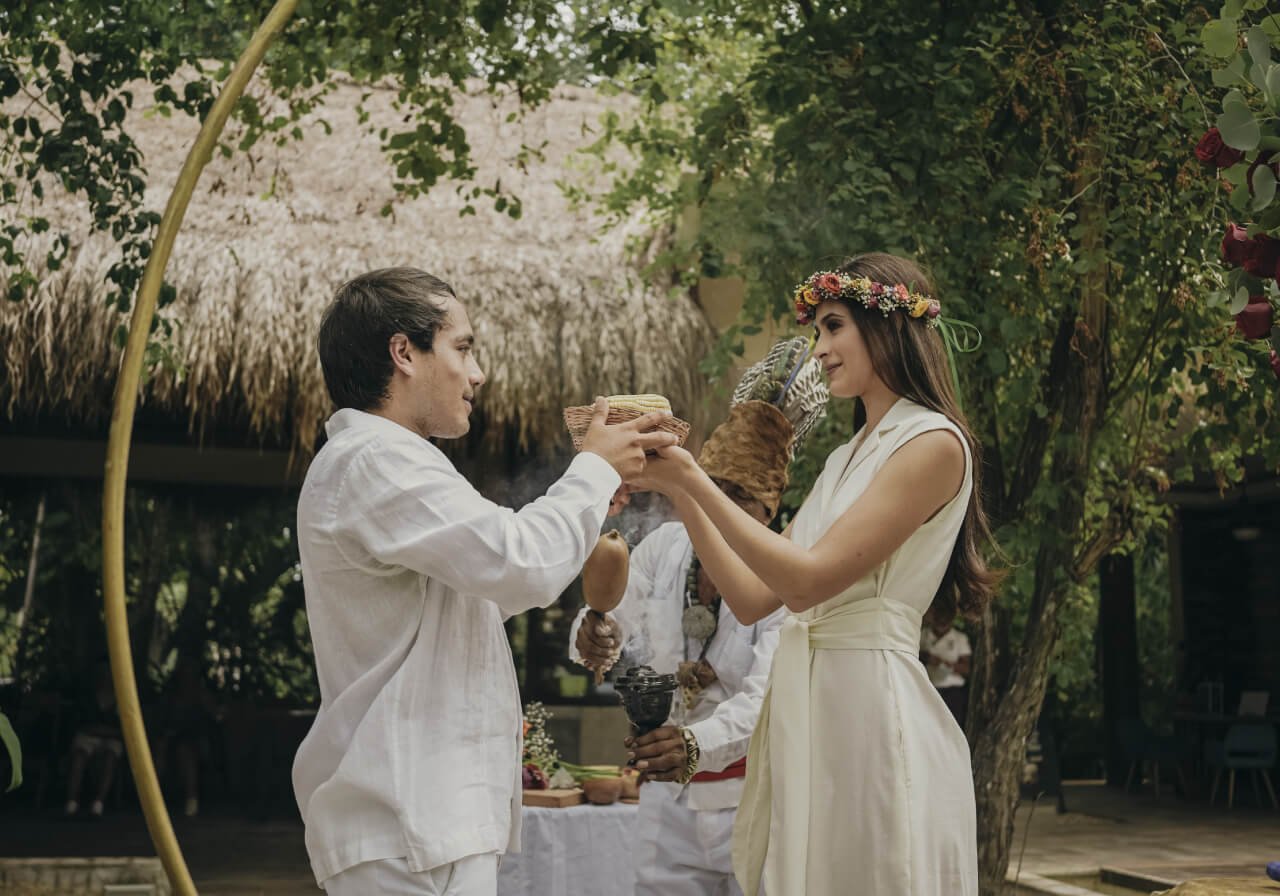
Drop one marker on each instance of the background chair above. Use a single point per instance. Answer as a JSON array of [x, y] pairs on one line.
[[1142, 745], [1247, 745]]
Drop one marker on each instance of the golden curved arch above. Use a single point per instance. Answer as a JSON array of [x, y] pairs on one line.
[[113, 489]]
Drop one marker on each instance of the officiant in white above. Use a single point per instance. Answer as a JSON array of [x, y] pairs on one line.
[[672, 619]]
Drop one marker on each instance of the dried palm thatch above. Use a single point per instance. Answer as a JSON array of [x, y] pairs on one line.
[[560, 314]]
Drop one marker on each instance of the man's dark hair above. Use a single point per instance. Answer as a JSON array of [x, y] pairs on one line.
[[360, 321]]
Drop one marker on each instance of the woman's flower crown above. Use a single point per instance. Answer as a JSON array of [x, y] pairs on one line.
[[828, 286]]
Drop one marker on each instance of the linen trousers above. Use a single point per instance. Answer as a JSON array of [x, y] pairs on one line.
[[471, 876], [683, 851]]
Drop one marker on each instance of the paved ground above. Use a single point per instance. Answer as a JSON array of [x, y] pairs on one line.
[[227, 855], [1166, 838]]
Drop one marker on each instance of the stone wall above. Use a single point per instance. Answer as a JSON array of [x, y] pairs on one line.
[[83, 877]]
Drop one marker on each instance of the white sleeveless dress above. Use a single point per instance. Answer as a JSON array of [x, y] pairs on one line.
[[859, 778]]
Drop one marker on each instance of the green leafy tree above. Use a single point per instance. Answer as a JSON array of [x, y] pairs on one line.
[[1038, 158], [1244, 145]]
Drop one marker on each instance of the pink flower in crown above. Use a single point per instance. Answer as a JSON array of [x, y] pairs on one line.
[[877, 289], [901, 292], [828, 283], [873, 302], [934, 309]]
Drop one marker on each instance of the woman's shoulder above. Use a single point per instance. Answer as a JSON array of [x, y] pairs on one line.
[[919, 419]]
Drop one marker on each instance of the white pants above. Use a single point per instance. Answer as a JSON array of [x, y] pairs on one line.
[[683, 852], [472, 876]]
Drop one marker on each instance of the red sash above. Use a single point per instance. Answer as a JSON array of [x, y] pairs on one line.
[[734, 770]]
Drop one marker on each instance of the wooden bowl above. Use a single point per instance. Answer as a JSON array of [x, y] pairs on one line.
[[602, 791], [631, 784]]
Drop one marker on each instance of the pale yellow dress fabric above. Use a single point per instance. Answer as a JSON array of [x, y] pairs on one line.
[[859, 778]]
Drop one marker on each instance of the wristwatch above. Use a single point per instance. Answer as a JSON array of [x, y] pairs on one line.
[[693, 752]]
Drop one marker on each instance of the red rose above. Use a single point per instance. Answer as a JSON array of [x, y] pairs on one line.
[[1262, 256], [1254, 322], [1235, 245], [1212, 151], [1275, 363], [828, 283]]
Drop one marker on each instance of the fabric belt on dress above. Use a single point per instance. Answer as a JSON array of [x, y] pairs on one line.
[[732, 770], [782, 736]]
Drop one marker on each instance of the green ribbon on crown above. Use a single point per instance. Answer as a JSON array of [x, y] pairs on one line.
[[959, 337]]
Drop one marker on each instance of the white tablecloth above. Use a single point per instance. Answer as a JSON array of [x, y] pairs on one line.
[[577, 851]]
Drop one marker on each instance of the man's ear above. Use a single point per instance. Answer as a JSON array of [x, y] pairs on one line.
[[401, 351]]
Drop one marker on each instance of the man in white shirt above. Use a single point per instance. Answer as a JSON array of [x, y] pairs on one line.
[[409, 779], [946, 653], [672, 619]]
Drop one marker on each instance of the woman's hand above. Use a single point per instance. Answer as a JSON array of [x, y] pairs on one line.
[[665, 472]]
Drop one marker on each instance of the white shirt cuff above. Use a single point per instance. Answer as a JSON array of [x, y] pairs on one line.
[[596, 470]]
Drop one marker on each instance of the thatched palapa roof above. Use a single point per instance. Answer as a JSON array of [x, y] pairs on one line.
[[560, 313]]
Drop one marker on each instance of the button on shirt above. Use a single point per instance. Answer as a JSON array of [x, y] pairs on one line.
[[409, 574], [724, 713]]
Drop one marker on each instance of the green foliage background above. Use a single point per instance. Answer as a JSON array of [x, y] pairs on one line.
[[1036, 156]]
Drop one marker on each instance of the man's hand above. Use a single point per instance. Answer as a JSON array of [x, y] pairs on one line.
[[665, 472], [659, 755], [624, 445], [599, 641]]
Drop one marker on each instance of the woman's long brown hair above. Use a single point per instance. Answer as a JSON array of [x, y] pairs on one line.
[[912, 361]]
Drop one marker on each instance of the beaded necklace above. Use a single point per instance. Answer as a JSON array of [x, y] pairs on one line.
[[699, 622]]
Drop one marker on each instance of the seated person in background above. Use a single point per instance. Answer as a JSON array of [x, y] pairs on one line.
[[97, 738], [188, 714], [946, 653]]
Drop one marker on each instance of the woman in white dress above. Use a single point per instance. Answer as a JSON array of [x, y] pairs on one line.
[[858, 777]]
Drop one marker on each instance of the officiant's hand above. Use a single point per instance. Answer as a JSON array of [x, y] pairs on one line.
[[659, 755], [599, 641], [621, 498], [624, 445]]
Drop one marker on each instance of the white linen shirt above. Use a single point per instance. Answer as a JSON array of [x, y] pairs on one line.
[[409, 573], [950, 648], [650, 616]]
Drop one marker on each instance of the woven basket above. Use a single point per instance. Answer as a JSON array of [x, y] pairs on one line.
[[578, 420]]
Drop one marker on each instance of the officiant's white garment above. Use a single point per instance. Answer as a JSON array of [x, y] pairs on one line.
[[409, 573], [859, 778], [684, 834]]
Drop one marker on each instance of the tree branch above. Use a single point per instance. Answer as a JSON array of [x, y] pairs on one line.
[[1029, 464], [1147, 343]]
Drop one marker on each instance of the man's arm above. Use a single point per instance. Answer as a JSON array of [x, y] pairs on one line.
[[405, 506], [724, 736]]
